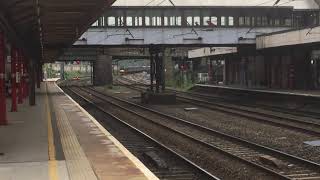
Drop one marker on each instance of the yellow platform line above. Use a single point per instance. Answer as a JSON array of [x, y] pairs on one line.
[[78, 165], [53, 167], [149, 175]]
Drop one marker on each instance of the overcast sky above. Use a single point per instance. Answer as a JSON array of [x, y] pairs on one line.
[[299, 4]]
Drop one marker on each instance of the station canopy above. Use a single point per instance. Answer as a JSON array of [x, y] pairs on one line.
[[43, 27], [297, 4]]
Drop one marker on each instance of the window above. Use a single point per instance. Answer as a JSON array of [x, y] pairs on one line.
[[223, 21], [129, 21], [314, 19], [241, 21], [196, 21], [253, 23], [138, 21], [156, 21], [172, 21], [206, 21], [230, 21], [166, 21], [214, 20], [210, 21], [95, 24], [264, 21], [120, 21], [178, 21], [277, 22], [247, 21], [159, 21], [270, 21], [111, 21], [147, 21], [258, 23], [153, 21], [101, 21], [189, 21], [287, 22]]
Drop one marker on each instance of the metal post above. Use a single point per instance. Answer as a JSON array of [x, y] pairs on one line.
[[32, 88], [14, 57], [41, 73], [62, 70], [19, 76], [151, 72], [23, 76], [158, 73], [163, 79], [91, 72], [38, 74], [3, 109], [26, 78]]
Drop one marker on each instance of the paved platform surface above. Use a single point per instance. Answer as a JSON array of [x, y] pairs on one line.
[[24, 143], [310, 93], [57, 139]]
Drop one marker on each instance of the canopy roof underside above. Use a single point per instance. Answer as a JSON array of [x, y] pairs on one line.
[[43, 27]]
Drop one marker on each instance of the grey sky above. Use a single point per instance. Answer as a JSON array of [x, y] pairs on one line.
[[298, 4]]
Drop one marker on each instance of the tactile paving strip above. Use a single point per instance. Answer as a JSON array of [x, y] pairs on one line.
[[77, 163]]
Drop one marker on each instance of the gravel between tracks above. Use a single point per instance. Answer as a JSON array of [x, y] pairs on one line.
[[222, 166], [268, 135]]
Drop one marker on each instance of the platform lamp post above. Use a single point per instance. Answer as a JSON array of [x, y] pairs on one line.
[[14, 56], [3, 110]]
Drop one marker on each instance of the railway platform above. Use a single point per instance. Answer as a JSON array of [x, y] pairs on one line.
[[293, 93], [57, 139]]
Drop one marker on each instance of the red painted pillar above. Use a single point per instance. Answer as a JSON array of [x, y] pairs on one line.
[[19, 77], [26, 78], [14, 56], [23, 78], [3, 110]]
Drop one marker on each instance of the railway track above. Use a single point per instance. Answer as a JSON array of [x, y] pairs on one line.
[[294, 111], [141, 144], [308, 127], [249, 153]]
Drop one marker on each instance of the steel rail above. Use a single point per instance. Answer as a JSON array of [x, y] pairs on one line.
[[189, 162], [304, 162], [246, 114]]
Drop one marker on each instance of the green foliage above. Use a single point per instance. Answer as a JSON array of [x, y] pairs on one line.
[[50, 72], [74, 74], [181, 81]]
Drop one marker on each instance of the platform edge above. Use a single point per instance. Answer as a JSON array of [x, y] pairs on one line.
[[123, 149]]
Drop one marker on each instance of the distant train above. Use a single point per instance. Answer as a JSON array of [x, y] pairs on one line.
[[134, 69]]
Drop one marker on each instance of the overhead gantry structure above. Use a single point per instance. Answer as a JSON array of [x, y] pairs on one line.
[[33, 32]]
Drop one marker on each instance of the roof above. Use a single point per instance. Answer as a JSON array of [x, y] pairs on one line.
[[297, 4], [45, 26]]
